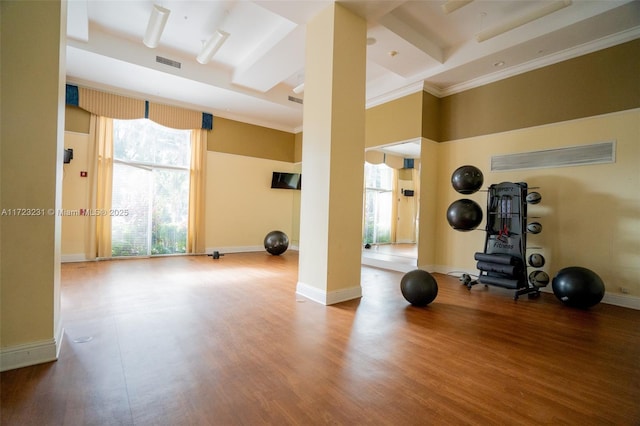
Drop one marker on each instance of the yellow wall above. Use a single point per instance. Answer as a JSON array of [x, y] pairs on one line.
[[297, 156], [431, 117], [428, 213], [75, 196], [241, 207], [76, 119], [394, 121], [405, 231], [234, 137], [594, 84], [590, 214]]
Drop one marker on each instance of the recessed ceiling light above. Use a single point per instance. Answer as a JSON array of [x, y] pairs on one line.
[[371, 41], [498, 64]]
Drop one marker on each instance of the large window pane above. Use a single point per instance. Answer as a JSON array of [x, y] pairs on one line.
[[132, 194], [151, 183], [144, 141], [378, 203], [170, 212]]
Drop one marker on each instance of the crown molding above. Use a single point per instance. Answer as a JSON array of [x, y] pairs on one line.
[[395, 94], [564, 55]]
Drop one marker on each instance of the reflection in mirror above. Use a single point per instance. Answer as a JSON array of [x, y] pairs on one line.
[[391, 206]]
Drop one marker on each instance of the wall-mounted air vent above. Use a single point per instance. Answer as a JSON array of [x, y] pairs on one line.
[[597, 153], [167, 61], [297, 100]]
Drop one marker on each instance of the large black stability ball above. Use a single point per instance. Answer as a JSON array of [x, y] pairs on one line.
[[464, 215], [467, 179], [276, 242], [419, 287], [578, 287]]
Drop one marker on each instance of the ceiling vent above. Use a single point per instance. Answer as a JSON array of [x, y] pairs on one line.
[[297, 100], [167, 61]]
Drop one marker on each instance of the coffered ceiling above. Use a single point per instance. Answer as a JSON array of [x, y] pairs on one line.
[[412, 45]]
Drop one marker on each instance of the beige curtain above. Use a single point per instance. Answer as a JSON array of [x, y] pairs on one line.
[[394, 206], [394, 161], [374, 157], [100, 171], [197, 179], [124, 108], [174, 117], [109, 105]]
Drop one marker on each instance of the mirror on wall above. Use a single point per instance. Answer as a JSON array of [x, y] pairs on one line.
[[391, 205]]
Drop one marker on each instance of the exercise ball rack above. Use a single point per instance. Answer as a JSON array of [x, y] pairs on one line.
[[503, 262]]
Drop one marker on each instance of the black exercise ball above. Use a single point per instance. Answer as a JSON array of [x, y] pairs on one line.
[[578, 287], [464, 215], [419, 287], [276, 242], [467, 179]]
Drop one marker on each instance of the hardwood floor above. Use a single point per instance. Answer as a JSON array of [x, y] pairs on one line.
[[197, 341]]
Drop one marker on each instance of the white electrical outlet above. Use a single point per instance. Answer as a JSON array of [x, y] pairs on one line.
[[624, 290]]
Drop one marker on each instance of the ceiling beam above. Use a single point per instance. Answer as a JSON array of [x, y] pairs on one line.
[[399, 27], [519, 21]]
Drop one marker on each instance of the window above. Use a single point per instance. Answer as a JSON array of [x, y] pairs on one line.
[[378, 203], [151, 185]]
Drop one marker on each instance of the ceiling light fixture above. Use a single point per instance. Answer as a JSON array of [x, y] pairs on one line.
[[211, 46], [298, 89], [157, 21], [453, 5], [547, 9]]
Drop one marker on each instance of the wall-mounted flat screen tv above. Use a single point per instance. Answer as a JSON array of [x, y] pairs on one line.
[[283, 180]]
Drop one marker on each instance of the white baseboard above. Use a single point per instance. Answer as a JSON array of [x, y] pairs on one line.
[[77, 257], [242, 249], [330, 298], [234, 249], [33, 353], [625, 301]]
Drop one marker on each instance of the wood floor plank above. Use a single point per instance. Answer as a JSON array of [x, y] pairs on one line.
[[196, 341]]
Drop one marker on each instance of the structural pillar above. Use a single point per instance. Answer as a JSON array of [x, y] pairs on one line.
[[333, 157], [32, 36]]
